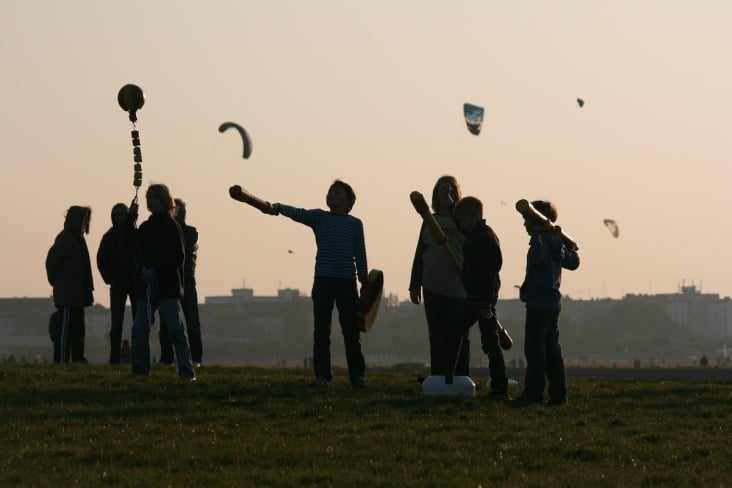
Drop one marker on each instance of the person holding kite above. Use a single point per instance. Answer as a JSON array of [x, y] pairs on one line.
[[162, 252], [435, 279], [482, 261], [546, 257], [117, 263], [339, 262]]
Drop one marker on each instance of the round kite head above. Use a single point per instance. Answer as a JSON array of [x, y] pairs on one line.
[[131, 99]]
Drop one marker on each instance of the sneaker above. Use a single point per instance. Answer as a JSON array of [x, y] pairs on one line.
[[360, 382], [320, 381]]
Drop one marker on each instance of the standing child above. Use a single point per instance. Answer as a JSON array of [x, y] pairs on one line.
[[162, 252], [546, 257], [340, 260], [68, 269], [434, 276], [117, 263], [189, 303], [481, 266]]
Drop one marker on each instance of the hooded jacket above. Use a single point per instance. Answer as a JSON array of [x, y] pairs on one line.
[[68, 267], [117, 257]]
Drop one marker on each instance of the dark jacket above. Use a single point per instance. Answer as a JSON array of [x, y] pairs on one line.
[[482, 261], [190, 236], [68, 267], [117, 259], [544, 262], [160, 243]]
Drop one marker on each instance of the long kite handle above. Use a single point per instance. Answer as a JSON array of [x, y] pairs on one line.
[[241, 195], [528, 211], [420, 205]]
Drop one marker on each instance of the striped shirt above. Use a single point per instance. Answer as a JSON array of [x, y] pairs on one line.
[[340, 241]]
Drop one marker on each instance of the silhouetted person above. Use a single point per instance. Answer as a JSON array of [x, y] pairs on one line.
[[339, 263], [68, 269], [434, 277], [482, 263], [189, 302], [162, 252], [117, 263], [545, 259]]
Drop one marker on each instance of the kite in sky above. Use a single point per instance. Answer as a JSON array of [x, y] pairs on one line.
[[473, 117], [580, 102], [244, 136], [613, 227]]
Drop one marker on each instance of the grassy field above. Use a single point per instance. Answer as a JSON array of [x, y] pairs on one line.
[[99, 426]]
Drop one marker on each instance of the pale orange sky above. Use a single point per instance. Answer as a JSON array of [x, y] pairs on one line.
[[372, 93]]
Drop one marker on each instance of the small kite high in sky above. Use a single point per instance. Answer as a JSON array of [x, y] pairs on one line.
[[473, 117], [244, 136], [580, 102], [612, 226]]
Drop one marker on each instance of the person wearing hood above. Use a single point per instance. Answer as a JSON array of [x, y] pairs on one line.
[[117, 263], [68, 269]]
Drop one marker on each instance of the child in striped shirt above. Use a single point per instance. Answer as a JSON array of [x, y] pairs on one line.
[[339, 262]]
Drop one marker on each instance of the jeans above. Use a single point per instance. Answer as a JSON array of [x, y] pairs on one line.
[[450, 345], [117, 301], [168, 310], [440, 311], [491, 346], [543, 356], [189, 304], [344, 294]]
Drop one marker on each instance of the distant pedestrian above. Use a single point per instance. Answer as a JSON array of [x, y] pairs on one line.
[[68, 270], [162, 252], [546, 257], [117, 263]]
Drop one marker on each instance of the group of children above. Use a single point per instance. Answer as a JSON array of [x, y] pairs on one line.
[[455, 297], [153, 266]]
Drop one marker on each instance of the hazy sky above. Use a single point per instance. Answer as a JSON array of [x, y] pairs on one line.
[[372, 93]]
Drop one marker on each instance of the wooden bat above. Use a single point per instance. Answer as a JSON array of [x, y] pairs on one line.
[[528, 211], [420, 205], [241, 195]]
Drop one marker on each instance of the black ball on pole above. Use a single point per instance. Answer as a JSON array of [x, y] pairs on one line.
[[131, 99]]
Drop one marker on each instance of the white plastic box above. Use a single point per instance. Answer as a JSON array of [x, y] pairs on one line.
[[449, 385]]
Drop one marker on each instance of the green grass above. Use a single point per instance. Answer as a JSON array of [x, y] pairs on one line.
[[239, 426]]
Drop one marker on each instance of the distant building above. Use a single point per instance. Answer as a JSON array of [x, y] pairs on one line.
[[703, 314], [246, 328]]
